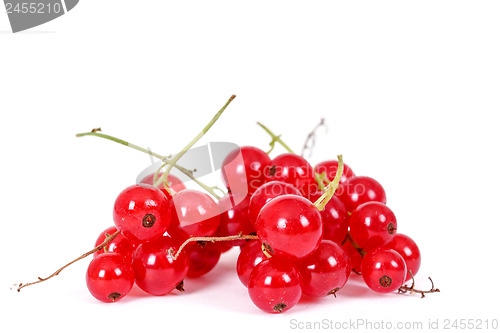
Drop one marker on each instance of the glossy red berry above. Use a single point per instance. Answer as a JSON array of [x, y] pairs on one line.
[[233, 219], [274, 285], [197, 213], [203, 257], [119, 244], [109, 277], [383, 271], [290, 224], [335, 219], [330, 169], [358, 190], [264, 194], [243, 169], [142, 213], [156, 271], [372, 225], [409, 250], [250, 256], [294, 170], [325, 271]]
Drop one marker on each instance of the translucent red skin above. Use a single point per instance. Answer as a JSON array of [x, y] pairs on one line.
[[264, 194], [379, 263], [324, 271], [202, 258], [233, 220], [272, 282], [119, 244], [133, 204], [156, 272], [107, 274], [250, 256], [290, 224], [197, 213], [358, 190], [335, 218], [294, 170], [369, 225], [410, 252], [330, 168], [243, 169]]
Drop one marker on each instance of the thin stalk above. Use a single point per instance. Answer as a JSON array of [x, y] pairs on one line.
[[171, 163], [275, 138]]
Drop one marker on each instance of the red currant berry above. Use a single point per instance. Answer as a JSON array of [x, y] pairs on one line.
[[243, 169], [156, 271], [335, 219], [264, 194], [250, 256], [325, 271], [142, 212], [203, 256], [330, 168], [409, 250], [292, 169], [358, 190], [383, 271], [109, 277], [233, 219], [290, 224], [119, 244], [274, 285], [197, 213], [372, 225]]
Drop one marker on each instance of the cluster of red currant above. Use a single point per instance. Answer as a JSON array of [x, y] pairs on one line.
[[301, 230]]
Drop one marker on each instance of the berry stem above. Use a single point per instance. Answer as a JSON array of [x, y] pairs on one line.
[[411, 289], [311, 138], [355, 245], [108, 239], [187, 172], [330, 189], [275, 138], [172, 162], [175, 255]]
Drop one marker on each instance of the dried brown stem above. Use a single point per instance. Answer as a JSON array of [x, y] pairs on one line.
[[411, 289], [175, 255], [108, 239], [311, 138]]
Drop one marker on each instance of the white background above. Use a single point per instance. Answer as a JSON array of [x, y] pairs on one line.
[[410, 91]]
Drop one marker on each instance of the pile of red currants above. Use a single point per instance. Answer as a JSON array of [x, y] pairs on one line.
[[297, 234], [301, 230]]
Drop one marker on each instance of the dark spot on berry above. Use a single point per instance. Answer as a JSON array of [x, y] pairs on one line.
[[272, 170], [385, 281], [148, 220], [180, 286], [391, 228], [114, 296], [333, 292], [279, 307]]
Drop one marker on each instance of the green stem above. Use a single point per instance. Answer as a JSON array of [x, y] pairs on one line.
[[185, 171], [275, 138], [330, 189], [171, 163], [122, 142]]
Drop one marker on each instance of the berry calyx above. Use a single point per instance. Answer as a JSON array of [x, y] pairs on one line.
[[383, 271]]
